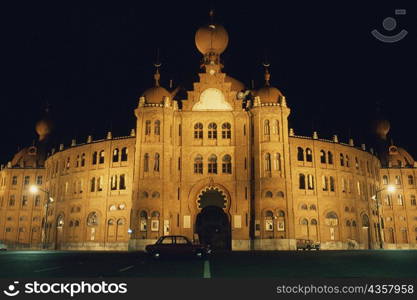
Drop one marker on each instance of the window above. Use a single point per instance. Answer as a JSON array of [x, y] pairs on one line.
[[325, 183], [343, 185], [212, 164], [356, 163], [310, 180], [198, 131], [24, 201], [413, 200], [115, 155], [269, 221], [330, 157], [410, 179], [309, 155], [331, 219], [347, 161], [12, 200], [37, 200], [146, 163], [280, 194], [101, 158], [342, 160], [68, 163], [313, 207], [100, 182], [94, 160], [26, 180], [77, 161], [113, 182], [266, 127], [267, 162], [123, 156], [148, 127], [39, 180], [143, 220], [400, 200], [385, 179], [359, 188], [83, 160], [388, 201], [155, 195], [93, 184], [397, 179], [122, 182], [332, 184], [14, 180], [300, 154], [275, 128], [156, 163], [198, 164], [226, 131], [227, 164], [304, 207], [212, 131], [278, 162], [322, 156], [157, 129], [302, 181]]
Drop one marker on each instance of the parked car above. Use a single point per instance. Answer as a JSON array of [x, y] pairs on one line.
[[176, 245], [303, 244], [3, 247]]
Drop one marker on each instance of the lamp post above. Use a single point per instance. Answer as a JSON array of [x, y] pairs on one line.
[[389, 189], [34, 189]]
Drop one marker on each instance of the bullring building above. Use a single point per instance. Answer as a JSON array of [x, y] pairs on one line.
[[220, 166]]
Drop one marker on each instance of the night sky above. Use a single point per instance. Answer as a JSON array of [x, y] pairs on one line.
[[90, 63]]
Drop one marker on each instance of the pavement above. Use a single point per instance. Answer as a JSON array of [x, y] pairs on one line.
[[254, 264]]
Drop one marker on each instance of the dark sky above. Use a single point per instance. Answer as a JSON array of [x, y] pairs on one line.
[[92, 62]]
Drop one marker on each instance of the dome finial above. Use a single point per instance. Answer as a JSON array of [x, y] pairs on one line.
[[157, 65], [267, 74], [211, 15]]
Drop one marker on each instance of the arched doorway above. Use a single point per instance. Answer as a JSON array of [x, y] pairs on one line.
[[212, 223], [366, 233]]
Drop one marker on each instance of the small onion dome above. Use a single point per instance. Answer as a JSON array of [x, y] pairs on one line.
[[399, 157], [156, 94], [381, 128], [236, 84], [211, 38], [43, 128], [269, 94]]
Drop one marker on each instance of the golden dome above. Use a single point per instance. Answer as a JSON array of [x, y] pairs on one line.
[[399, 157], [268, 94], [236, 84], [43, 128], [26, 158], [211, 38], [155, 95]]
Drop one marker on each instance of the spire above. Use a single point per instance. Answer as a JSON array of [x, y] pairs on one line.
[[211, 15], [267, 74]]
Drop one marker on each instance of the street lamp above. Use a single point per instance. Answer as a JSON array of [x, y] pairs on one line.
[[390, 189], [34, 189]]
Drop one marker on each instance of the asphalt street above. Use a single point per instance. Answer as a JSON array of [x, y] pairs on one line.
[[282, 264]]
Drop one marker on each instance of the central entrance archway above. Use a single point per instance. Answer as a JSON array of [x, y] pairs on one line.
[[212, 223]]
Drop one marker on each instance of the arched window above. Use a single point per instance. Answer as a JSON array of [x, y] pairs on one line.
[[313, 222], [226, 131], [143, 220], [83, 160], [115, 155], [342, 160], [330, 157], [278, 162], [347, 161], [304, 206], [325, 183], [280, 194], [348, 223], [276, 127], [198, 164], [410, 179], [310, 181], [267, 162], [155, 195], [331, 219], [198, 131], [304, 222], [347, 209], [212, 164], [322, 156], [302, 181], [157, 127], [397, 179], [212, 131], [309, 155], [122, 182], [400, 199], [92, 219], [268, 194], [77, 161], [155, 221], [413, 200], [356, 163], [269, 221], [385, 179], [227, 164], [156, 163], [300, 154], [94, 159], [113, 182], [146, 163], [332, 184], [313, 207], [266, 127], [100, 182], [124, 154], [148, 127], [101, 157], [145, 195]]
